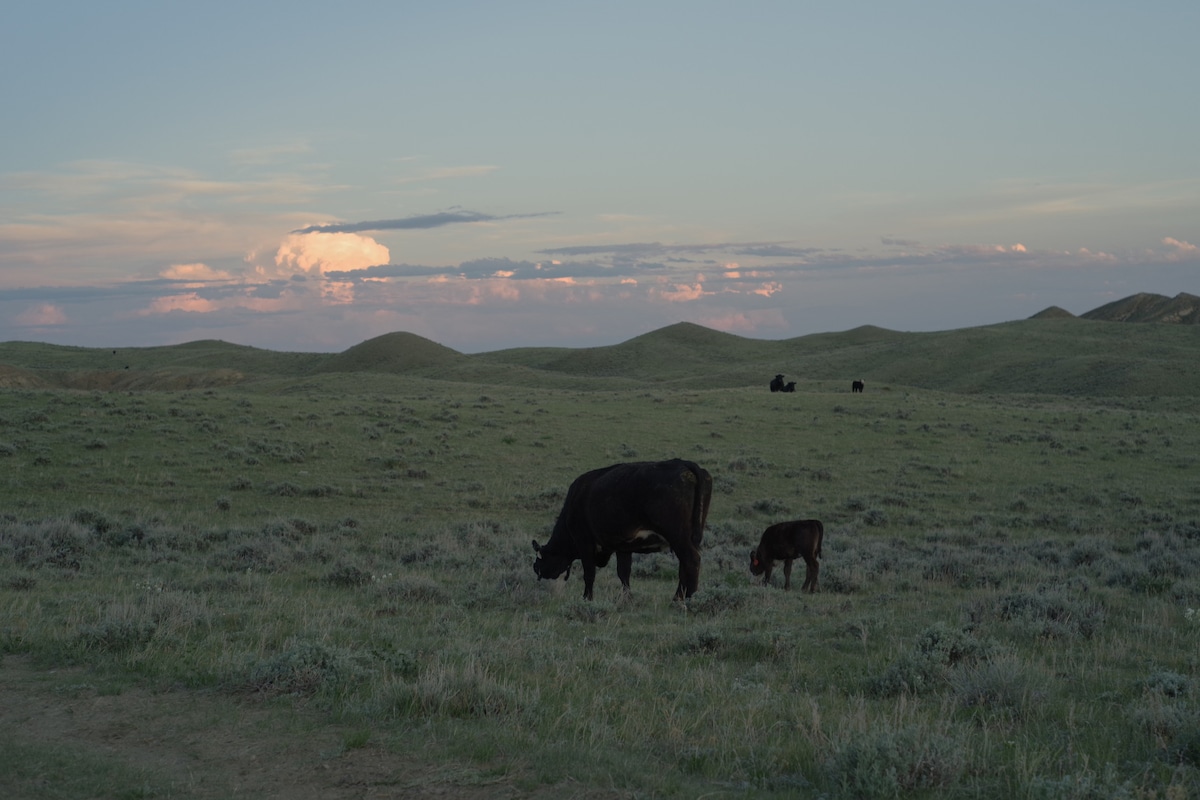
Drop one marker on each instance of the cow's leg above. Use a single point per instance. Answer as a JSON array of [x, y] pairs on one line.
[[589, 576], [689, 571], [812, 569], [624, 568], [787, 574], [767, 569]]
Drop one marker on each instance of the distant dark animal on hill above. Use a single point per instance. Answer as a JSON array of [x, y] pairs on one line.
[[643, 507], [857, 386], [777, 383], [790, 386], [787, 541]]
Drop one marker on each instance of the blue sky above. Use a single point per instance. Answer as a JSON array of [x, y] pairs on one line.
[[303, 176]]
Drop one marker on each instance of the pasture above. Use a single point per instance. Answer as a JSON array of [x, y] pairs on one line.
[[321, 586]]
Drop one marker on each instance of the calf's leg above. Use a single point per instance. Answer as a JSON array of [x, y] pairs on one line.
[[812, 570]]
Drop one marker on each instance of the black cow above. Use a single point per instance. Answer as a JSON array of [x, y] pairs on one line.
[[787, 541], [856, 386], [644, 507], [790, 386], [777, 383]]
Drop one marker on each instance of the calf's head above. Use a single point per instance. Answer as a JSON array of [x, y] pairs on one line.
[[757, 565], [550, 566]]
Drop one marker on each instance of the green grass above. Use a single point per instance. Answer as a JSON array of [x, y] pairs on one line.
[[1009, 580]]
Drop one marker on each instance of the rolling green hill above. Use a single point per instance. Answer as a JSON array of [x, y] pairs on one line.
[[1052, 353]]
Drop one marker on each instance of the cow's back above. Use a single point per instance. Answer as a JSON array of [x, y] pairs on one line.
[[655, 494]]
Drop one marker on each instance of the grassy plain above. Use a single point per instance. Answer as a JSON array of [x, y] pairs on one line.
[[1009, 583]]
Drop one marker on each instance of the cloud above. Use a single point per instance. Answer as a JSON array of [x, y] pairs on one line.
[[195, 272], [421, 222], [769, 288], [326, 252], [180, 302], [676, 253], [775, 251], [1180, 250], [44, 314], [682, 292]]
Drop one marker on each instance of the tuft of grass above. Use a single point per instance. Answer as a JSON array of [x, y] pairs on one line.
[[892, 763]]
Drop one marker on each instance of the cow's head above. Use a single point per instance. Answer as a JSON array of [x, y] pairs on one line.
[[756, 564], [550, 566]]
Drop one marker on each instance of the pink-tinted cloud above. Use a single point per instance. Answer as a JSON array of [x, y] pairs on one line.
[[680, 292], [40, 315], [189, 301], [195, 272], [768, 289], [318, 253], [1097, 255], [1180, 250]]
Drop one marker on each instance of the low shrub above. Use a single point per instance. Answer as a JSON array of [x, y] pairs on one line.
[[886, 764], [937, 651], [1052, 614], [346, 576], [718, 599], [463, 691], [413, 589], [303, 668], [1003, 686]]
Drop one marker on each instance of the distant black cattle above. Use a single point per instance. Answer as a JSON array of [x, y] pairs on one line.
[[787, 541], [856, 386], [790, 386], [777, 383], [644, 507]]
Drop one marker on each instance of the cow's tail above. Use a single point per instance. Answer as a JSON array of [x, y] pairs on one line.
[[820, 537], [700, 501]]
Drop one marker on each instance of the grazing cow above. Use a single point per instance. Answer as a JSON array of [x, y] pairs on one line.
[[790, 386], [787, 541], [777, 383], [856, 386], [644, 507]]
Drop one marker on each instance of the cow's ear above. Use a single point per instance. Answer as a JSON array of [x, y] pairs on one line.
[[537, 548]]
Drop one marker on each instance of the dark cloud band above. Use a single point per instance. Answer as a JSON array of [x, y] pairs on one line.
[[421, 222]]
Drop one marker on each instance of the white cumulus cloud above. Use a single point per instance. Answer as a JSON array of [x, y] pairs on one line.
[[318, 253]]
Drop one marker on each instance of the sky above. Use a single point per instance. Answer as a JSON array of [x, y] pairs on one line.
[[303, 177]]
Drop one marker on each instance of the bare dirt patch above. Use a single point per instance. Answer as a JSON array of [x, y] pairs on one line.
[[188, 744]]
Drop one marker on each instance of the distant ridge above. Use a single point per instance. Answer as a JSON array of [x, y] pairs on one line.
[[1183, 309], [1054, 353], [1053, 312], [393, 352]]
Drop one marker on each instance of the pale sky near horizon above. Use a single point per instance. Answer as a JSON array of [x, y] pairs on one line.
[[303, 176]]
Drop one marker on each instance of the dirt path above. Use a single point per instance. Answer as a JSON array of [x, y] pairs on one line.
[[187, 744]]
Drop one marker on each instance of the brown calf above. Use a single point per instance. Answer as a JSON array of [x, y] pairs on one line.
[[787, 541]]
